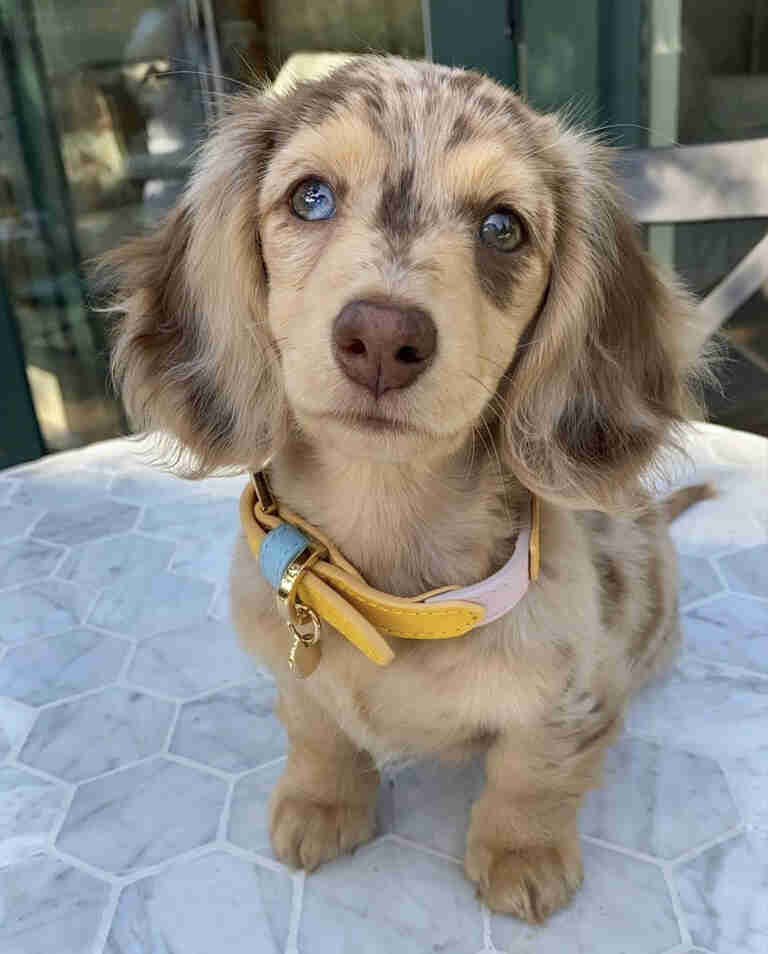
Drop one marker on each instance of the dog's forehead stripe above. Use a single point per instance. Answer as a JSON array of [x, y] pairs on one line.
[[401, 213], [418, 120]]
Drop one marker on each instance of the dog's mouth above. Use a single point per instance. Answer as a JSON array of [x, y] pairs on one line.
[[372, 423]]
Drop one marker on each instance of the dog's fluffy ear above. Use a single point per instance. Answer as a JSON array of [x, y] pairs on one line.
[[603, 376], [192, 355]]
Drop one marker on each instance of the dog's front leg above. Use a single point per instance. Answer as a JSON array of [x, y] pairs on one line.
[[523, 848], [325, 803]]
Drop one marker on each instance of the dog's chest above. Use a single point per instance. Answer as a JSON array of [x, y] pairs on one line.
[[433, 699]]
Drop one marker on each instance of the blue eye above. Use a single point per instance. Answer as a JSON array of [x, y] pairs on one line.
[[502, 230], [313, 199]]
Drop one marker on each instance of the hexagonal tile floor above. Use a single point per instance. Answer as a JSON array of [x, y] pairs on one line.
[[138, 748]]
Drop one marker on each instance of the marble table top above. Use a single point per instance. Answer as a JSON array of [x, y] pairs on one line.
[[138, 747]]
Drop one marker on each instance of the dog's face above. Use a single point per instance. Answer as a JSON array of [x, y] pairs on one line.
[[388, 258], [408, 238]]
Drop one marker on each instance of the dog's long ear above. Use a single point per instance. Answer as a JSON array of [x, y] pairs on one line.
[[192, 355], [603, 375]]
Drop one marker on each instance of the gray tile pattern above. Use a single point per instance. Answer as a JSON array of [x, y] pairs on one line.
[[248, 814], [27, 560], [431, 804], [138, 749], [724, 895], [15, 723], [233, 730], [659, 801], [624, 906], [747, 571], [16, 520], [698, 579], [216, 903], [29, 808], [89, 521], [142, 815], [144, 603], [46, 670], [97, 733], [41, 609], [730, 629], [49, 908], [390, 897], [106, 561], [189, 661]]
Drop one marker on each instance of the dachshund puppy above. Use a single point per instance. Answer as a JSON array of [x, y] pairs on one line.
[[423, 303]]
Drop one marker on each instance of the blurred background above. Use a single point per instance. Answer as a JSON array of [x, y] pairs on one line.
[[103, 103]]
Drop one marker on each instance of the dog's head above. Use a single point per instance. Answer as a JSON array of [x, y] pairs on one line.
[[389, 257]]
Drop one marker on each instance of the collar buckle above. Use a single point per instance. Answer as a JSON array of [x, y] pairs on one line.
[[264, 498]]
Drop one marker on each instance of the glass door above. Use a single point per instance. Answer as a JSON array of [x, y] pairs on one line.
[[683, 86], [101, 105]]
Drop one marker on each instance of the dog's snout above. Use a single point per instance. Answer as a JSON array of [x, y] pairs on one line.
[[383, 346]]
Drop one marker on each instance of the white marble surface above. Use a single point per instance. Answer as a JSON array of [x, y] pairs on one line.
[[216, 904], [730, 629], [16, 520], [390, 897], [140, 816], [204, 528], [138, 748], [248, 815], [49, 907], [747, 571], [108, 560], [29, 808], [233, 730], [659, 801], [144, 603], [705, 708], [87, 521], [27, 560], [15, 722], [698, 579], [42, 609], [624, 906], [46, 670], [724, 895], [97, 733], [192, 660], [430, 804]]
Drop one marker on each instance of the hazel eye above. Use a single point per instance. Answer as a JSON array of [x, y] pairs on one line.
[[313, 200], [502, 230]]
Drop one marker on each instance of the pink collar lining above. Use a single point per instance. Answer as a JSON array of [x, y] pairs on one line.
[[503, 590]]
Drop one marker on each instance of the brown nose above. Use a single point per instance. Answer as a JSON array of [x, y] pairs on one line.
[[383, 346]]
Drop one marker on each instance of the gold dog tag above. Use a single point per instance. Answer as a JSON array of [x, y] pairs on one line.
[[304, 659], [306, 652]]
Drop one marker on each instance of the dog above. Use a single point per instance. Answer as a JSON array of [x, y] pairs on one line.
[[424, 305]]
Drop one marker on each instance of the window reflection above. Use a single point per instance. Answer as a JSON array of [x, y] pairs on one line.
[[101, 106]]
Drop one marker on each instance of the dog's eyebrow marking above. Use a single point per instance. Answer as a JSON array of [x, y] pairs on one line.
[[400, 214], [461, 132], [465, 82], [311, 102], [486, 105]]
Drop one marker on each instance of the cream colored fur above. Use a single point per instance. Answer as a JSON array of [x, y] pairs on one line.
[[561, 369]]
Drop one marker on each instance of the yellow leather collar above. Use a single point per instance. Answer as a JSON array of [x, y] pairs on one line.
[[325, 582]]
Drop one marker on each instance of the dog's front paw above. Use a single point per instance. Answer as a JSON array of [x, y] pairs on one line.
[[306, 834], [531, 882]]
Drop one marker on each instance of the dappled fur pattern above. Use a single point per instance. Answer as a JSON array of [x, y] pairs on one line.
[[561, 368]]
